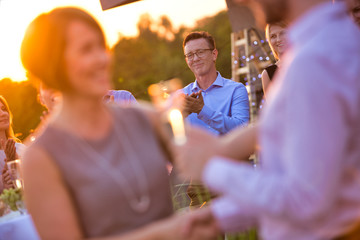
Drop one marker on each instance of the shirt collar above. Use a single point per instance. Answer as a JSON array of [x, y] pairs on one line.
[[318, 17], [219, 81]]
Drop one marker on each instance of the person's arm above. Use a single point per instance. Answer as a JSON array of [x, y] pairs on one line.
[[6, 178], [239, 112], [240, 143], [265, 80], [47, 197], [10, 150], [201, 146], [311, 158], [221, 216]]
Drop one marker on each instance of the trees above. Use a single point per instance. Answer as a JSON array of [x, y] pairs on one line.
[[22, 99], [156, 53]]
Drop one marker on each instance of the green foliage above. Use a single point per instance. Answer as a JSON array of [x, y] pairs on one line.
[[22, 100], [156, 54], [11, 196]]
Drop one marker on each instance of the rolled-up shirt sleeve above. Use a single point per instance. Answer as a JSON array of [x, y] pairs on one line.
[[303, 179]]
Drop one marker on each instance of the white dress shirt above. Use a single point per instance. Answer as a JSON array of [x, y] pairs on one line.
[[308, 185]]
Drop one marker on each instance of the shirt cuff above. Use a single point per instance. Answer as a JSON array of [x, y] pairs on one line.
[[205, 114], [215, 173], [231, 216]]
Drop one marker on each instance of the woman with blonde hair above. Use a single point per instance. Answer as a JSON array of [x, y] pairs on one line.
[[10, 146]]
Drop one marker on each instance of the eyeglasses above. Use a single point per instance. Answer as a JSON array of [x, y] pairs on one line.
[[199, 53]]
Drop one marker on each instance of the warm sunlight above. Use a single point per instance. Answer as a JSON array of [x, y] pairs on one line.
[[15, 15]]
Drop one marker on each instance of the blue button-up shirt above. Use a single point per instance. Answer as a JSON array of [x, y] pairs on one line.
[[226, 105]]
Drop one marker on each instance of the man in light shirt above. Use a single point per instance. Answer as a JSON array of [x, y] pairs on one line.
[[212, 101], [307, 187]]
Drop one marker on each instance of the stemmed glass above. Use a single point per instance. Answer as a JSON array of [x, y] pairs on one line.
[[14, 168]]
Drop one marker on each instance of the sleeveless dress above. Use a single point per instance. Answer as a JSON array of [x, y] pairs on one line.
[[271, 70], [101, 204]]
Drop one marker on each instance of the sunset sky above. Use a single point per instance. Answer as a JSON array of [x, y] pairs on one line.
[[15, 15]]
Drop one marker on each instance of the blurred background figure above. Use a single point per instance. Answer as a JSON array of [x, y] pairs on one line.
[[277, 39], [10, 146], [49, 98], [120, 96]]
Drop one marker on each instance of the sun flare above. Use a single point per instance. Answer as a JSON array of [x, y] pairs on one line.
[[15, 16]]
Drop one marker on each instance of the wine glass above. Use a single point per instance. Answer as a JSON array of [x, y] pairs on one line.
[[14, 168]]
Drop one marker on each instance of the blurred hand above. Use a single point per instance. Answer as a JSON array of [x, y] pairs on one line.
[[194, 102], [192, 156], [201, 224], [188, 226], [10, 150], [6, 178]]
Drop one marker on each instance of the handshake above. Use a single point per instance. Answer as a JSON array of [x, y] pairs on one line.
[[195, 225]]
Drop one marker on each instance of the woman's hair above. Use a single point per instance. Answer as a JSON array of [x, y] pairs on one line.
[[281, 24], [44, 43], [8, 132]]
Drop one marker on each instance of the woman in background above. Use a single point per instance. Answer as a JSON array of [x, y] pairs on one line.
[[276, 36], [10, 146]]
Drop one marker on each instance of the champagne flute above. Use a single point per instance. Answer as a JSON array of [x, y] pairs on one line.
[[14, 168]]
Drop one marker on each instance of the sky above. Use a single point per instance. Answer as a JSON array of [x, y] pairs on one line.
[[15, 15]]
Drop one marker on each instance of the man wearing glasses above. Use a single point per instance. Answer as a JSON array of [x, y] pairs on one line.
[[213, 102]]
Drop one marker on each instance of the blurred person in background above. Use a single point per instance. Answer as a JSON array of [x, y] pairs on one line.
[[120, 97], [49, 98]]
